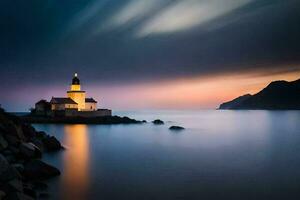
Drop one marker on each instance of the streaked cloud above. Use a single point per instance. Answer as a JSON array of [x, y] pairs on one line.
[[86, 14], [133, 10], [187, 14]]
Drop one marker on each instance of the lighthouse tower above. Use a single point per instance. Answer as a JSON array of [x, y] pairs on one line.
[[76, 94]]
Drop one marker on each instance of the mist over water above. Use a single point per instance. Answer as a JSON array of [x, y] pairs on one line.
[[220, 155]]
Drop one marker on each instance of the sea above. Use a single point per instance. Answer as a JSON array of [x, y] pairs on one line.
[[220, 155]]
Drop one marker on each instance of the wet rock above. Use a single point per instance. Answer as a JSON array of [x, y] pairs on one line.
[[51, 144], [16, 184], [12, 140], [28, 131], [14, 150], [44, 195], [158, 122], [7, 172], [29, 150], [38, 142], [2, 194], [30, 192], [3, 143], [41, 134], [38, 170], [20, 196], [16, 131], [37, 185], [176, 128], [19, 167]]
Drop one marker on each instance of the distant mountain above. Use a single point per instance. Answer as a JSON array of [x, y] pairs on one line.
[[278, 95]]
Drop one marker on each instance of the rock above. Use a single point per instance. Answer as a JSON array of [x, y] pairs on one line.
[[19, 167], [158, 122], [38, 142], [30, 192], [3, 143], [16, 184], [2, 194], [12, 140], [9, 155], [144, 121], [7, 172], [16, 130], [44, 195], [11, 158], [29, 150], [51, 144], [14, 149], [28, 131], [176, 128], [38, 170], [37, 185], [20, 196], [41, 134]]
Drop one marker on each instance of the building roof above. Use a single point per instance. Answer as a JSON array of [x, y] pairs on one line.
[[43, 101], [90, 100], [60, 100]]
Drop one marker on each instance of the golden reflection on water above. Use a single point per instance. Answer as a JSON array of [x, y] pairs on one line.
[[75, 177]]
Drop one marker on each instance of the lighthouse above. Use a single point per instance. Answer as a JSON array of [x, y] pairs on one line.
[[76, 94], [74, 105]]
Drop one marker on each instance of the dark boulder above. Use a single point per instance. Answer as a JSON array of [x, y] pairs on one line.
[[29, 192], [16, 185], [28, 131], [38, 170], [12, 140], [158, 122], [2, 194], [19, 196], [29, 150], [41, 134], [7, 172], [38, 142], [3, 143], [176, 128], [40, 186], [51, 144]]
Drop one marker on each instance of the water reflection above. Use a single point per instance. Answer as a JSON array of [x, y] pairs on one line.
[[75, 179]]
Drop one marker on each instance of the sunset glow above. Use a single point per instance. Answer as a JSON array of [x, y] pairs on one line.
[[201, 93]]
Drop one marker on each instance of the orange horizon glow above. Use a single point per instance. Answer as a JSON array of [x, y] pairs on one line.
[[192, 93], [203, 92]]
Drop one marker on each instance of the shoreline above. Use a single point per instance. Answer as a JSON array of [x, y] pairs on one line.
[[22, 171], [105, 120]]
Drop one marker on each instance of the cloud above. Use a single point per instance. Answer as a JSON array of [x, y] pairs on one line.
[[133, 10], [187, 14], [85, 15]]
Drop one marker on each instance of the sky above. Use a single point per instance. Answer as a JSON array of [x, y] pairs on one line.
[[146, 54]]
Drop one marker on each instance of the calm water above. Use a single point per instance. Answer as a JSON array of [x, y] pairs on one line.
[[220, 155]]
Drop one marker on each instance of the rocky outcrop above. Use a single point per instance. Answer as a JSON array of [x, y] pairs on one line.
[[158, 122], [29, 150], [3, 143], [278, 95], [176, 128], [21, 146], [38, 170], [51, 144]]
